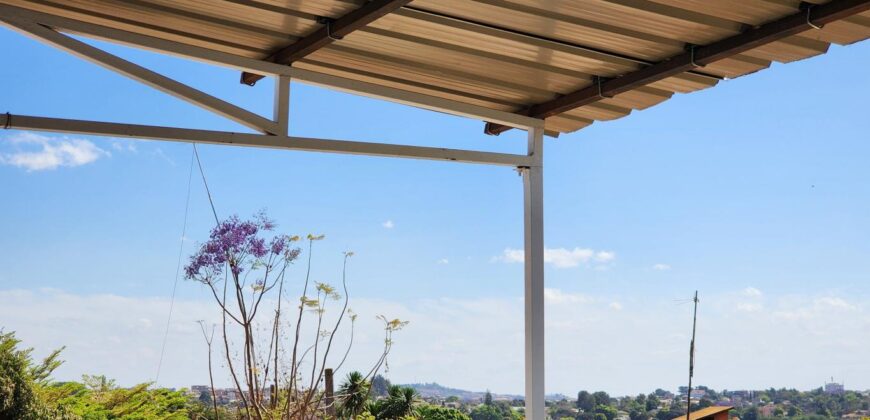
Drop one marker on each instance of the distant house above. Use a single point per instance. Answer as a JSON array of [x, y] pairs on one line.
[[857, 415], [834, 388], [197, 390], [709, 413], [767, 410], [742, 394]]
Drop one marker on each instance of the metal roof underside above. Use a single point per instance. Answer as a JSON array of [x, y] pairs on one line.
[[508, 55]]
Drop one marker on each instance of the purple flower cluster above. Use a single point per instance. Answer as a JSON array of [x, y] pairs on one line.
[[232, 241]]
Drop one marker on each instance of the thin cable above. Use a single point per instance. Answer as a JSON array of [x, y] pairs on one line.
[[204, 182], [177, 268]]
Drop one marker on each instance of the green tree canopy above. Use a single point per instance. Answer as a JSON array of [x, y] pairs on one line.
[[21, 378], [585, 401], [430, 412], [601, 398]]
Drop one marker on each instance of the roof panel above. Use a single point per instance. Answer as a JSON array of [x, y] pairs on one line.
[[502, 54], [283, 25], [541, 22]]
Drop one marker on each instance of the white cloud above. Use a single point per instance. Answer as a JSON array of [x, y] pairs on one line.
[[751, 292], [604, 256], [557, 296], [388, 224], [477, 343], [564, 258], [510, 255], [560, 257], [661, 267], [444, 261], [35, 152], [124, 146], [836, 303], [159, 153], [748, 307]]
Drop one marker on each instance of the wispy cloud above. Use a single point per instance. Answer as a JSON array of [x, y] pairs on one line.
[[661, 267], [443, 261], [388, 224], [124, 146], [837, 303], [749, 307], [557, 296], [560, 257], [750, 300], [35, 152], [510, 255], [159, 153], [479, 341]]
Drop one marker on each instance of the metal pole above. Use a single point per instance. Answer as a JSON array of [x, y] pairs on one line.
[[533, 189], [329, 391], [692, 359]]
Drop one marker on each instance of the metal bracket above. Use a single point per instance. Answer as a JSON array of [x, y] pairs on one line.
[[691, 49], [328, 21], [598, 80], [809, 9]]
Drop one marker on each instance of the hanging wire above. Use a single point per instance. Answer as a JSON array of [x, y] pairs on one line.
[[683, 301], [204, 182], [194, 156], [177, 267]]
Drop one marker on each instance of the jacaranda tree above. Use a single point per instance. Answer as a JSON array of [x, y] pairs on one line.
[[244, 267]]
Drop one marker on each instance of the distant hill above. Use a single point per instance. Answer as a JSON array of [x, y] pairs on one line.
[[434, 390]]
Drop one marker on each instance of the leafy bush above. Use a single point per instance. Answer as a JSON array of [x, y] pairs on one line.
[[430, 412], [20, 380], [26, 392]]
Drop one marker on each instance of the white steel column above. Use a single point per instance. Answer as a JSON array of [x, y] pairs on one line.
[[281, 109], [533, 191]]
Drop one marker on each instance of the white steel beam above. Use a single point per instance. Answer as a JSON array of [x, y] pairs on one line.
[[533, 193], [16, 14], [96, 128], [148, 77]]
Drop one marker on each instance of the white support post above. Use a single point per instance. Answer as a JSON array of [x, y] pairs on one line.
[[533, 192], [281, 110]]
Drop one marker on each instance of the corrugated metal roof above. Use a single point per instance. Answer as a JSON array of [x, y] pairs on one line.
[[705, 412], [502, 54]]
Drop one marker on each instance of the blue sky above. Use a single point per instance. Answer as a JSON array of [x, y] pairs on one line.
[[755, 192]]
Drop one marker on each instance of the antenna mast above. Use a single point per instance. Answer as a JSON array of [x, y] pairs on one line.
[[692, 359]]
